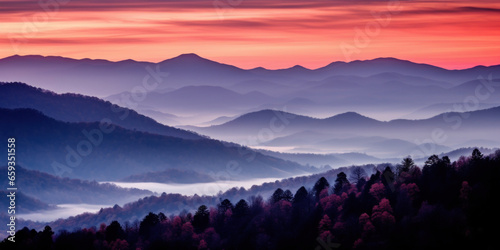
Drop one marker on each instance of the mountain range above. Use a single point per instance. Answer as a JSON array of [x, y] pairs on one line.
[[93, 151], [80, 108], [264, 129], [353, 132], [191, 85]]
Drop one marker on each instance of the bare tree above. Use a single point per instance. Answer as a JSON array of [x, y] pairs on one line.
[[357, 173]]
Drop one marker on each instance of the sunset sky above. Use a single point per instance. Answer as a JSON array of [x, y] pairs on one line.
[[250, 33]]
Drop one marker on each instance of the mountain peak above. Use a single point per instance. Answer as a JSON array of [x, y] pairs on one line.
[[299, 67], [261, 114], [350, 116], [349, 113], [259, 69], [186, 58], [189, 57], [296, 68]]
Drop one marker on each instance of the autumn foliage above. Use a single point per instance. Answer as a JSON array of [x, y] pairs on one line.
[[441, 205]]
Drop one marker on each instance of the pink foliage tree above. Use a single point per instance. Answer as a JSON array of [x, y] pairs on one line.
[[377, 190], [411, 189], [382, 215], [330, 201], [119, 244], [325, 224]]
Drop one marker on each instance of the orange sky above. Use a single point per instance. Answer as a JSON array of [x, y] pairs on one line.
[[251, 33]]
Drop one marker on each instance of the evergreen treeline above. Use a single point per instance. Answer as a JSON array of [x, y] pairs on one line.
[[441, 205]]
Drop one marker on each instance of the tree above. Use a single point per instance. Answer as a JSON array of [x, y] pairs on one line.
[[476, 155], [357, 173], [114, 231], [224, 206], [201, 218], [287, 195], [378, 191], [241, 209], [432, 160], [300, 203], [388, 178], [149, 222], [325, 224], [45, 241], [321, 184], [162, 217], [277, 195], [300, 195], [340, 183], [406, 165], [446, 160], [382, 215], [360, 184]]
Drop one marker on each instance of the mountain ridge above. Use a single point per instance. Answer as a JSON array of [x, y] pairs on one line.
[[120, 152], [194, 56], [80, 108]]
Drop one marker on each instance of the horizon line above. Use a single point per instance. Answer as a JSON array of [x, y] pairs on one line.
[[258, 67]]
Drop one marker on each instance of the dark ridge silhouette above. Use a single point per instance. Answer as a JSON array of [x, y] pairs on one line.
[[105, 152]]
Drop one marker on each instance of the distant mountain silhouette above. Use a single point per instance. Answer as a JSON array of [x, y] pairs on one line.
[[80, 108], [80, 152], [332, 160], [351, 119], [218, 120], [209, 99], [170, 176], [387, 83], [439, 133], [253, 123], [190, 69], [439, 108], [102, 77]]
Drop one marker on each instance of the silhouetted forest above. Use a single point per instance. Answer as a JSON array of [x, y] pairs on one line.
[[442, 204]]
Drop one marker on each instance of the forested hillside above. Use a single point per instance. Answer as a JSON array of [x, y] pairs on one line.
[[441, 204]]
